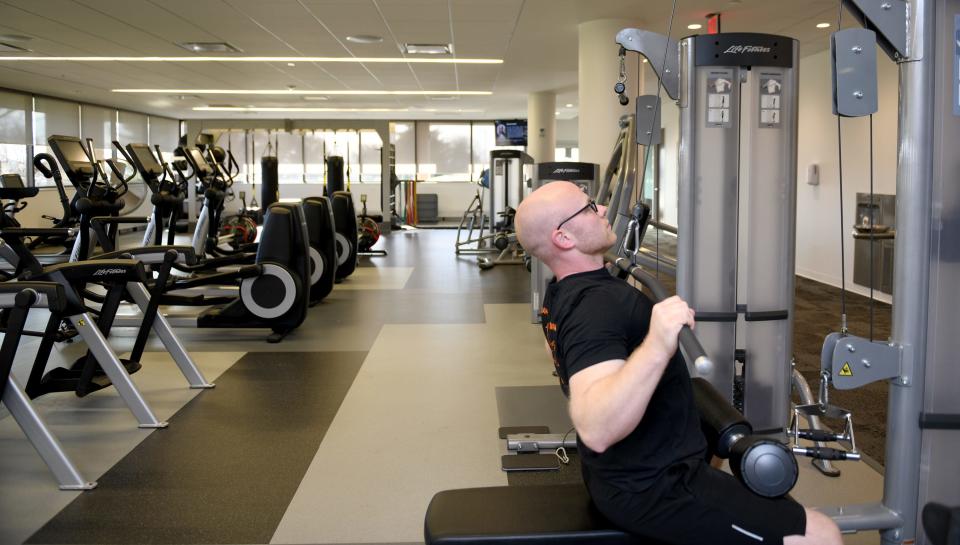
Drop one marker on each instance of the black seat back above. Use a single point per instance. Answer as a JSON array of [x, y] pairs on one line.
[[284, 240], [321, 231], [345, 220]]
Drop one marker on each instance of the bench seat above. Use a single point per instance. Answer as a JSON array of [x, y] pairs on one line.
[[505, 515]]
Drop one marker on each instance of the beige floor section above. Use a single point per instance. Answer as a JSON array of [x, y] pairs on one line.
[[420, 417], [95, 431], [376, 278], [858, 483]]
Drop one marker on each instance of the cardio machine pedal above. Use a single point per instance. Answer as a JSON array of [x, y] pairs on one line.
[[63, 379]]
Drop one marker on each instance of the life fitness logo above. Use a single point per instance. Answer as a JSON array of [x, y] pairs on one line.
[[565, 171], [741, 49], [104, 272]]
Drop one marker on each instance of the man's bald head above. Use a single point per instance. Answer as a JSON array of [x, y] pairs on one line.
[[540, 212]]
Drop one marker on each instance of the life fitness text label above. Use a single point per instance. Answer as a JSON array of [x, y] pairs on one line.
[[747, 49], [102, 272]]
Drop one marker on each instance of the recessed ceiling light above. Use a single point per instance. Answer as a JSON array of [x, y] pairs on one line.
[[315, 97], [292, 90], [556, 113], [427, 49], [442, 97], [364, 39], [644, 61], [225, 108], [823, 25], [209, 47], [291, 64], [695, 26], [569, 105], [397, 60]]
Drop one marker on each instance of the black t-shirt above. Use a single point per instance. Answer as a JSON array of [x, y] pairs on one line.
[[592, 317]]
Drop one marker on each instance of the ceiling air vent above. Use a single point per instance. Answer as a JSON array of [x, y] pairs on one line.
[[8, 48], [427, 49], [209, 47]]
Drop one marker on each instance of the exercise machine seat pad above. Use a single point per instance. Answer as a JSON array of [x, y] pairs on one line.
[[504, 515]]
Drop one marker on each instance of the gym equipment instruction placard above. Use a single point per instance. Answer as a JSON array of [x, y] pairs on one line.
[[719, 91], [771, 86]]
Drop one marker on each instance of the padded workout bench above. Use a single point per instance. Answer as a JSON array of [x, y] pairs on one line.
[[504, 515]]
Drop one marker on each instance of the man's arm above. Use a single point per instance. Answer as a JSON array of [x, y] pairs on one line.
[[608, 399]]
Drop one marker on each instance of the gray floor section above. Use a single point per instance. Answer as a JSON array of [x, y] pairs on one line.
[[226, 467], [96, 432]]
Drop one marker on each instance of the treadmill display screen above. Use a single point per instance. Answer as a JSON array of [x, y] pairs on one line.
[[72, 151], [202, 166], [143, 155], [72, 157]]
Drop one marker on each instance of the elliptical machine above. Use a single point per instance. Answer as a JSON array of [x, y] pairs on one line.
[[272, 291]]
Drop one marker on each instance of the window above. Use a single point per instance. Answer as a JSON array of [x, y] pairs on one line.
[[567, 154], [164, 132], [100, 125], [52, 117], [289, 151], [313, 157], [260, 143], [370, 146], [403, 138], [483, 142], [235, 142], [443, 152], [13, 134], [132, 128]]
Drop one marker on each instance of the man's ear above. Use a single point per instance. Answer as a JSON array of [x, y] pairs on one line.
[[562, 239]]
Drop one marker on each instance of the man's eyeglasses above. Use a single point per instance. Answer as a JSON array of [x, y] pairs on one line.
[[590, 205]]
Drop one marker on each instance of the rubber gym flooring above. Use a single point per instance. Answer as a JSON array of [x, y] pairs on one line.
[[392, 390]]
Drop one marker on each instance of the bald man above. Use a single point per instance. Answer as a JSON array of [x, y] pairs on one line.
[[631, 401]]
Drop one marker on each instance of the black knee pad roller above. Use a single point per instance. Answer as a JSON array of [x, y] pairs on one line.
[[766, 467]]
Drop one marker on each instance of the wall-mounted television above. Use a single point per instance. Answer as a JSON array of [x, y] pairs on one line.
[[510, 132]]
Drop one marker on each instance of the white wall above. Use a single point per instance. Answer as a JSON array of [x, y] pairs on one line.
[[818, 207]]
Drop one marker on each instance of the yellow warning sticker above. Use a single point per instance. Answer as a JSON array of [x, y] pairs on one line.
[[845, 371]]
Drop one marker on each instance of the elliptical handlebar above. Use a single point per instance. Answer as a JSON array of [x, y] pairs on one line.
[[123, 152], [119, 173], [47, 165], [219, 171], [100, 179]]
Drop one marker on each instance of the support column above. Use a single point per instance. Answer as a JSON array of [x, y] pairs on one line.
[[598, 70], [542, 126]]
